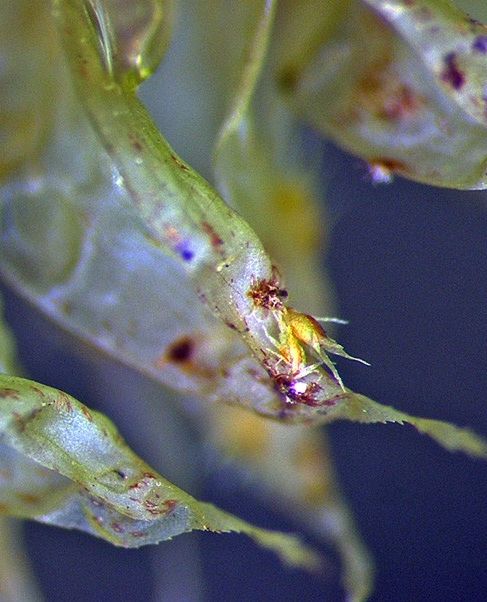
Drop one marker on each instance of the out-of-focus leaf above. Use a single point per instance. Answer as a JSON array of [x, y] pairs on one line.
[[398, 83], [26, 80], [292, 466], [132, 37], [16, 581], [262, 169], [8, 352], [105, 489]]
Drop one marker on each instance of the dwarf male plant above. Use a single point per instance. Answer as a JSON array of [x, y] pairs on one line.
[[211, 287]]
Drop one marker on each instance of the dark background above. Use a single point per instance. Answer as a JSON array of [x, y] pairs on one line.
[[409, 266]]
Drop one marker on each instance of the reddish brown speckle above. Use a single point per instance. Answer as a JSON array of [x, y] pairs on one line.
[[38, 391], [149, 475], [380, 93], [63, 402], [83, 69], [180, 351], [154, 509], [157, 508], [142, 482], [137, 534], [286, 386], [117, 528], [215, 240], [28, 498], [268, 294], [87, 413], [170, 505], [400, 105], [19, 419], [179, 163], [9, 393], [135, 142]]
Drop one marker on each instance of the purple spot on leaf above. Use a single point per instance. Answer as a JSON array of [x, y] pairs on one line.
[[452, 74], [480, 44], [186, 253]]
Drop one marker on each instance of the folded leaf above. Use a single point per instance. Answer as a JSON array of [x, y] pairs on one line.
[[66, 465]]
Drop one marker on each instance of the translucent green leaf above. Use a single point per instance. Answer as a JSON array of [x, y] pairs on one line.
[[262, 167], [105, 489], [159, 217], [26, 80], [16, 579], [132, 39], [120, 240], [359, 408]]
